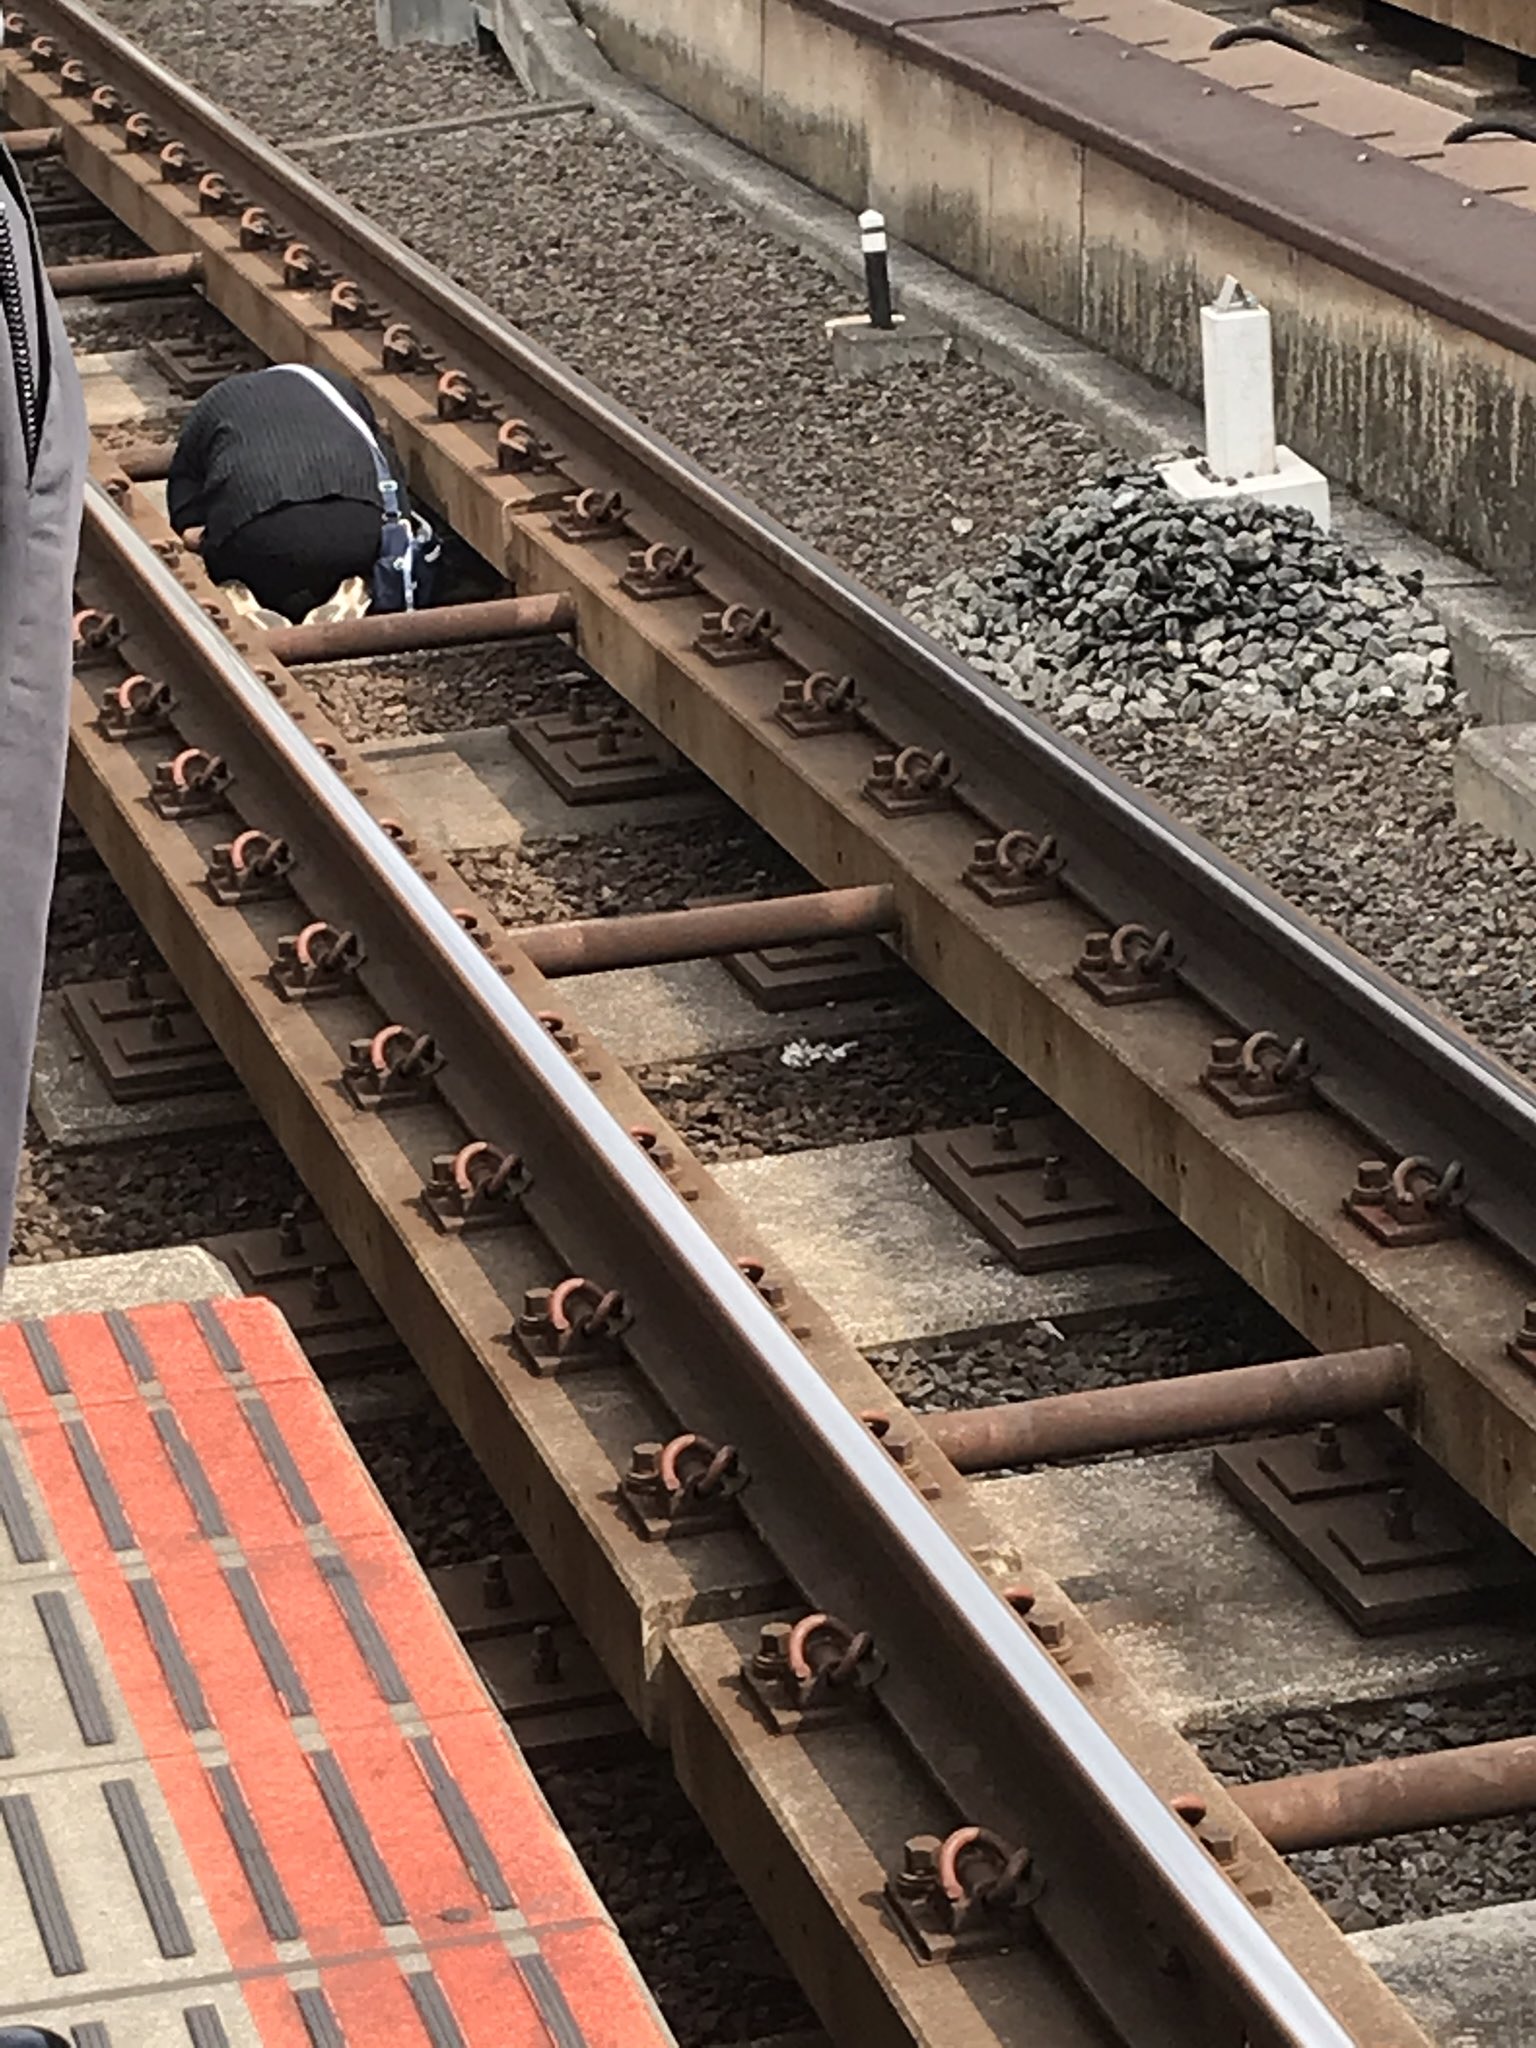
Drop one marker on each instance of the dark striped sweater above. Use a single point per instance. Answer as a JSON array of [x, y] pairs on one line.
[[262, 440]]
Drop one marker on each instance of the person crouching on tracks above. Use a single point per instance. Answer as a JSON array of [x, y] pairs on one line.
[[43, 451], [282, 483]]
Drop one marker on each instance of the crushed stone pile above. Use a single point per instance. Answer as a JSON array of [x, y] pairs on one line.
[[1125, 607]]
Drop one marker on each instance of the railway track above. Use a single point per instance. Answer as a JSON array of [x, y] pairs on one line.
[[887, 783]]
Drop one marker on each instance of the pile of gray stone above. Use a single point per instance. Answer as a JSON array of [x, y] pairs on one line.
[[1125, 607]]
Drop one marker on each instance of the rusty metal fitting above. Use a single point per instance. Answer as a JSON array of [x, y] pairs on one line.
[[348, 307], [191, 785], [44, 52], [74, 79], [1409, 1204], [393, 829], [17, 27], [96, 631], [317, 962], [257, 228], [301, 268], [469, 921], [175, 163], [1015, 867], [1260, 1075], [106, 104], [904, 782], [770, 1291], [1522, 1346], [456, 398], [251, 868], [808, 1673], [682, 1488], [664, 1159], [136, 706], [119, 488], [659, 572], [737, 634], [818, 703], [213, 193], [572, 1326], [479, 1187], [591, 516], [394, 1069], [519, 449], [968, 1894], [900, 1447], [399, 349], [1130, 965], [569, 1041], [139, 132]]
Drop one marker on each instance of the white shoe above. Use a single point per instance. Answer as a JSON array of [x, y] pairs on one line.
[[350, 602], [243, 601]]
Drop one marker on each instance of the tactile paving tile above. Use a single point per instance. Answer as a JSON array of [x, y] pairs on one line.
[[251, 1789]]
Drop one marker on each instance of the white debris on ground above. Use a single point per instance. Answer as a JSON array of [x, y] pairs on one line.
[[802, 1053], [1125, 607]]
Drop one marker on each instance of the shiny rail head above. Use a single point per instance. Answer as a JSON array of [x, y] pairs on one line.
[[923, 1556]]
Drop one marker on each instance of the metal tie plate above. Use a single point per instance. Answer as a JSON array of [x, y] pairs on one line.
[[1376, 1525], [1043, 1193]]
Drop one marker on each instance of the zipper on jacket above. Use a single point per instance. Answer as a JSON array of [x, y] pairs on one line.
[[14, 305]]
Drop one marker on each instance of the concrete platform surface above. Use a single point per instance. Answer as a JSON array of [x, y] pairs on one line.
[[254, 1792], [1466, 1977], [473, 789], [1212, 1621], [180, 1272], [891, 1261]]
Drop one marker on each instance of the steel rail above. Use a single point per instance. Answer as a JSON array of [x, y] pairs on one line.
[[1406, 1079], [949, 1633]]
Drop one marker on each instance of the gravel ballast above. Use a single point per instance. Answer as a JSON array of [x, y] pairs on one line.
[[1399, 1877], [881, 1084], [1124, 606], [1038, 1359]]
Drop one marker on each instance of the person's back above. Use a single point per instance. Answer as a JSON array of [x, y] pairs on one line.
[[283, 489]]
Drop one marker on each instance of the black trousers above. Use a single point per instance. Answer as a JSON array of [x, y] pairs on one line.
[[293, 559]]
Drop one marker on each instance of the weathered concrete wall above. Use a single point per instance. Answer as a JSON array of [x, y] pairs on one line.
[[1424, 419]]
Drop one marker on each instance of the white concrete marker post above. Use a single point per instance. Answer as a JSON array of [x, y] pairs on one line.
[[865, 344], [1242, 458]]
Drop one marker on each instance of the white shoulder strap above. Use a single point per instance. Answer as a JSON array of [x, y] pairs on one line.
[[388, 489]]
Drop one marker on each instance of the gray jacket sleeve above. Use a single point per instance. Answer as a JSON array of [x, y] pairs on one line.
[[43, 450]]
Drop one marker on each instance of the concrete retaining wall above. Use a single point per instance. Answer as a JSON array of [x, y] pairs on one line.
[[1433, 423]]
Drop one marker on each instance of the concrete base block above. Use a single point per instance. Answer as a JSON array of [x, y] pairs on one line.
[[1465, 1977], [76, 1113], [1465, 89], [651, 1016], [1495, 781], [893, 1263], [860, 350], [1324, 27], [1294, 483], [398, 22], [474, 790], [181, 1272], [1211, 1620], [1496, 661]]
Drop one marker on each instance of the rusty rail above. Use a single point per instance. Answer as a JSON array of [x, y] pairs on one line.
[[1398, 1795], [1244, 1400], [449, 625], [597, 945], [721, 1356]]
